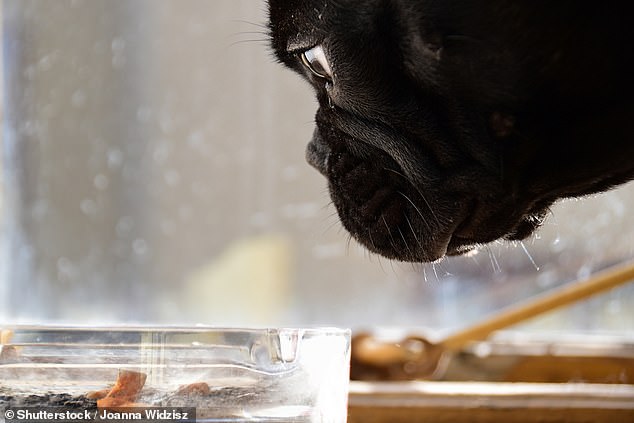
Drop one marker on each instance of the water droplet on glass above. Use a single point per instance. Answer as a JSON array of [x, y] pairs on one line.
[[29, 72], [584, 272], [558, 245], [39, 209], [195, 140], [547, 278], [88, 206], [101, 181], [139, 246], [63, 264], [161, 152], [65, 269], [118, 44], [124, 226], [172, 177], [29, 128], [115, 158], [118, 53], [45, 63], [78, 99], [166, 123], [143, 114]]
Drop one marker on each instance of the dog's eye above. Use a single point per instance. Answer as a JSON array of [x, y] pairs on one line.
[[316, 62]]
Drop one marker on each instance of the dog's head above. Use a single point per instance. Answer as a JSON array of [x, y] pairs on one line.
[[436, 132]]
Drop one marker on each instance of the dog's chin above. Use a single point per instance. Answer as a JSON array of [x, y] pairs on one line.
[[385, 213], [394, 217], [380, 208]]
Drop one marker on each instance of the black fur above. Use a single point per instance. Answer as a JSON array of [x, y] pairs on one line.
[[450, 124]]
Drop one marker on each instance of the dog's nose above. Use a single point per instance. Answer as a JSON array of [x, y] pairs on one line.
[[317, 153]]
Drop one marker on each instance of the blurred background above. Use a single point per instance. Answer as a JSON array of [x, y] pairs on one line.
[[153, 172]]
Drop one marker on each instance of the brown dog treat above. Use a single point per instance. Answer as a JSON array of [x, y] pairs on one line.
[[124, 392], [97, 395], [199, 388], [128, 385]]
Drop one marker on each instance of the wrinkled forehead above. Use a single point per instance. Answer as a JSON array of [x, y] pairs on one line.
[[296, 24], [366, 37]]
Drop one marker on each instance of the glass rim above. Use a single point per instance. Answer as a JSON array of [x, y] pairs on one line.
[[312, 330]]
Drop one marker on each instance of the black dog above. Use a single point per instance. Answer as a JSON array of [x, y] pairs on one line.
[[446, 124]]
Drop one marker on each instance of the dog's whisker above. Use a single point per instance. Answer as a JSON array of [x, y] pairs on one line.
[[265, 36], [405, 242], [392, 241], [340, 230], [370, 238], [381, 264], [417, 209], [235, 34], [409, 223], [433, 266], [348, 242], [392, 267], [431, 209], [259, 25], [422, 196], [332, 225], [417, 267], [530, 257], [442, 264], [330, 216], [494, 261], [370, 254], [330, 222], [253, 41]]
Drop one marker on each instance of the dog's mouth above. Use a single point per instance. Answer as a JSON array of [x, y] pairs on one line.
[[379, 206], [398, 218], [475, 230]]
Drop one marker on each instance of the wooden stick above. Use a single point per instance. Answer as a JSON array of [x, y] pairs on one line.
[[558, 297]]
